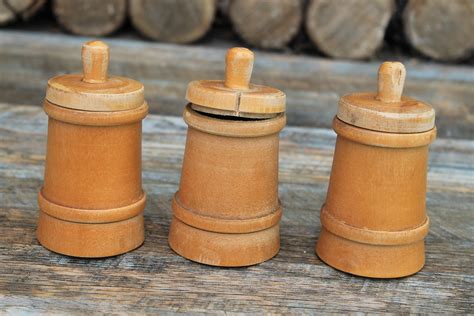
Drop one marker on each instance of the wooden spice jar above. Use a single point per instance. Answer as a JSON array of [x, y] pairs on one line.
[[227, 212], [374, 220], [92, 202]]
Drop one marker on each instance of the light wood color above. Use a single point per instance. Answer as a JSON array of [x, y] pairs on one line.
[[13, 10], [174, 21], [238, 68], [391, 80], [90, 17], [154, 280], [94, 90], [226, 211], [374, 216], [235, 96], [348, 28], [387, 110], [95, 62], [440, 29], [374, 219], [91, 203], [266, 23]]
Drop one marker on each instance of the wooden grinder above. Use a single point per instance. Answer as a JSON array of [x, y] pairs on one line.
[[227, 212], [92, 202], [374, 220]]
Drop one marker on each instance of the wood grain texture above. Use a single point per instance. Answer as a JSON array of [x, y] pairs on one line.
[[348, 28], [153, 278], [14, 10], [93, 89], [440, 29], [266, 23], [174, 21], [89, 17], [313, 86], [387, 110], [236, 96]]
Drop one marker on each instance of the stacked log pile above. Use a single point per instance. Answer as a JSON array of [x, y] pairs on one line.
[[348, 29]]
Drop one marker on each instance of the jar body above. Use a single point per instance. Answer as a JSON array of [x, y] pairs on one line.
[[227, 212], [374, 220], [92, 202]]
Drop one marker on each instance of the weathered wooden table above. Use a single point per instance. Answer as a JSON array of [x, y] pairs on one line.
[[153, 278]]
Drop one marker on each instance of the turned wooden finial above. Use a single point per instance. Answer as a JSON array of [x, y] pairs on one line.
[[238, 68], [390, 82], [95, 61]]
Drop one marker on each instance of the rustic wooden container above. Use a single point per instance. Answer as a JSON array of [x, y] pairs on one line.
[[227, 212], [374, 220], [92, 202]]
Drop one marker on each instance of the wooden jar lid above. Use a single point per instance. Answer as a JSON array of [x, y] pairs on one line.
[[236, 96], [94, 90], [387, 110]]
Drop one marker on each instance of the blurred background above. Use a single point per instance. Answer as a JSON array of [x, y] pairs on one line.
[[313, 50]]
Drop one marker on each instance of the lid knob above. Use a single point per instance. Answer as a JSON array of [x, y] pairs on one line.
[[238, 68], [390, 82], [95, 61]]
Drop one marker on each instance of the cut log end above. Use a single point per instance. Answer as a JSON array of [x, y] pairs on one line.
[[348, 28], [440, 29], [90, 17], [174, 21], [266, 23]]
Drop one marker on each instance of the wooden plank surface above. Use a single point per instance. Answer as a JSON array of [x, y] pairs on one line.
[[154, 279], [313, 85]]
